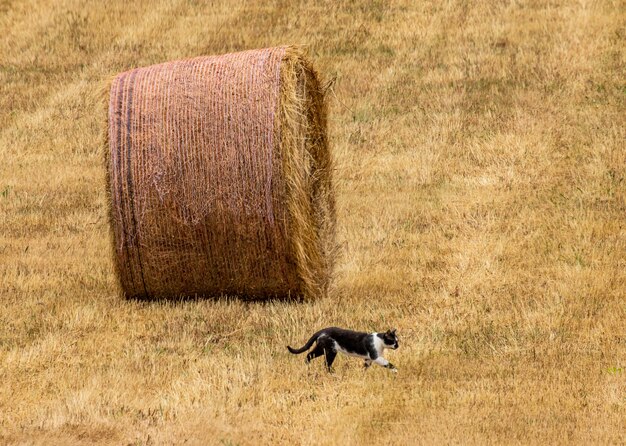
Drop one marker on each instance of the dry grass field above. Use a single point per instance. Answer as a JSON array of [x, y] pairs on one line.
[[480, 153]]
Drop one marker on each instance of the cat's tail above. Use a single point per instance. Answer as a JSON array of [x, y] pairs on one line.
[[306, 346]]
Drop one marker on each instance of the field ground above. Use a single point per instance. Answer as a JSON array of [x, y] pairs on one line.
[[481, 190]]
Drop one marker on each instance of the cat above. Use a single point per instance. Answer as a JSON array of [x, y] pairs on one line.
[[369, 346]]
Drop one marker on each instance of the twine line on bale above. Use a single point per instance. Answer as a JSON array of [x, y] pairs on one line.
[[219, 177]]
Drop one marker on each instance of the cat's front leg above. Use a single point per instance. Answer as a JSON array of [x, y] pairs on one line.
[[368, 363], [384, 363]]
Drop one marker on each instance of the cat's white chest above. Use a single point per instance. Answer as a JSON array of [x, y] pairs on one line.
[[379, 345]]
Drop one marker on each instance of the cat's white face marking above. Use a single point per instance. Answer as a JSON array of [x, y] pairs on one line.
[[390, 339]]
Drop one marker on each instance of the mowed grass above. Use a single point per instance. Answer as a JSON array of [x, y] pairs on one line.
[[481, 190]]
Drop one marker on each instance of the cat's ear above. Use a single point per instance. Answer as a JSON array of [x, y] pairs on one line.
[[393, 331]]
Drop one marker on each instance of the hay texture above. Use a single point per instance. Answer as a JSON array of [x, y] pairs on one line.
[[219, 177]]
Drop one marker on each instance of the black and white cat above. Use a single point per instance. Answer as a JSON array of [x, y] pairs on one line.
[[369, 346]]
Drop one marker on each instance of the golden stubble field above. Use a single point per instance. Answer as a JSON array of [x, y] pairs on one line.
[[481, 190]]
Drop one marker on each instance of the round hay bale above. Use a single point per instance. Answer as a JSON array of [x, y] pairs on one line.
[[219, 176]]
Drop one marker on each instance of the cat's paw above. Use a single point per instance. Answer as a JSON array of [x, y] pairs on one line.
[[392, 367]]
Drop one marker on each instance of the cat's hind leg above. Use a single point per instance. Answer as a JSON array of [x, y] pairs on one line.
[[317, 351], [330, 353]]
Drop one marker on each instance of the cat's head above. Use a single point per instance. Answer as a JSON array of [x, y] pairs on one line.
[[390, 339]]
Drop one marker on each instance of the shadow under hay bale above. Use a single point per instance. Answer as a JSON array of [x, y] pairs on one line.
[[219, 176]]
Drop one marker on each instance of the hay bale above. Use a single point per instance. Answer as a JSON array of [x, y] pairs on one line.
[[219, 177]]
